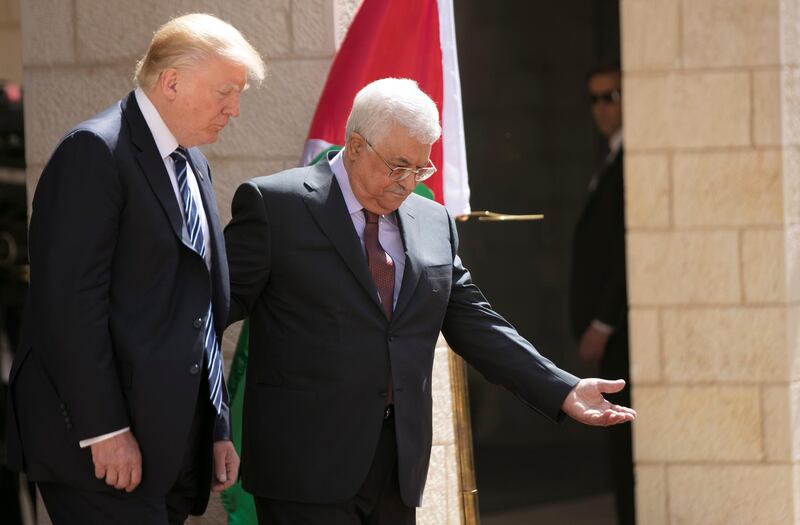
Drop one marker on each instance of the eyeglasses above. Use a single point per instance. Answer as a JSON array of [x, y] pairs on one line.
[[607, 97], [399, 173]]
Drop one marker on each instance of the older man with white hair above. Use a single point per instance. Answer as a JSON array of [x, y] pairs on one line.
[[348, 278], [119, 407]]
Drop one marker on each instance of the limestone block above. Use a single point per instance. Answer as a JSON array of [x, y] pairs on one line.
[[730, 494], [793, 340], [274, 119], [11, 57], [763, 265], [48, 32], [725, 344], [683, 267], [58, 99], [9, 12], [645, 342], [434, 500], [767, 107], [702, 423], [313, 32], [778, 421], [687, 110], [454, 503], [229, 341], [229, 173], [443, 432], [731, 33], [343, 13], [790, 34], [650, 34], [789, 104], [791, 185], [13, 10], [647, 190], [116, 29], [651, 495], [728, 189]]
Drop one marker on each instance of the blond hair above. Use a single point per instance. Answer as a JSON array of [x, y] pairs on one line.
[[185, 41]]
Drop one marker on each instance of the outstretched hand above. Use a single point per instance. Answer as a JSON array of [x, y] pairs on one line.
[[586, 404]]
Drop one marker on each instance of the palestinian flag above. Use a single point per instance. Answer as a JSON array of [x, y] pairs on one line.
[[387, 38], [406, 39]]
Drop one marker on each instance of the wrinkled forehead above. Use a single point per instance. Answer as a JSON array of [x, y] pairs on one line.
[[403, 149]]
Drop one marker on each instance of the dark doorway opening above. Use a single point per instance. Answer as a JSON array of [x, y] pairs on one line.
[[531, 148]]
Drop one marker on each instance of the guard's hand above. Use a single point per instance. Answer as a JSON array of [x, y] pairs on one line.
[[119, 461], [585, 403], [226, 465], [592, 345]]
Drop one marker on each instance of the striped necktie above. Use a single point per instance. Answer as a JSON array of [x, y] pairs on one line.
[[210, 342]]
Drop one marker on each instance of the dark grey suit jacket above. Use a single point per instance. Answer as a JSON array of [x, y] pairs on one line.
[[111, 337], [321, 346]]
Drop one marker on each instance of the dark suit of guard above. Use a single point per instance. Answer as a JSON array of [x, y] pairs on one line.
[[112, 334], [321, 345], [599, 292]]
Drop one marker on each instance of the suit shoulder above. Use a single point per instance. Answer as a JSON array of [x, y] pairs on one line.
[[100, 130], [287, 181], [427, 206]]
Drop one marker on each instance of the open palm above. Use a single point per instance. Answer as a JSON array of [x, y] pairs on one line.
[[586, 404]]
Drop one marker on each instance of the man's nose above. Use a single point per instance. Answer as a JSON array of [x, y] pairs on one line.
[[232, 108]]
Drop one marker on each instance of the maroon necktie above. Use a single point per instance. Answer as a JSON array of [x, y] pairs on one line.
[[381, 266]]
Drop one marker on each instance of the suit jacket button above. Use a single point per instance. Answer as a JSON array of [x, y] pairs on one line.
[[198, 322], [194, 369]]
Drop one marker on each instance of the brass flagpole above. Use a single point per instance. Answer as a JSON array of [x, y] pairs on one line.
[[460, 393]]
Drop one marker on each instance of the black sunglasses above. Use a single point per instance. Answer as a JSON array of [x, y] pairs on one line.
[[608, 97]]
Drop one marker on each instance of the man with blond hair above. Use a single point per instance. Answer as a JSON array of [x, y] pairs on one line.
[[119, 407]]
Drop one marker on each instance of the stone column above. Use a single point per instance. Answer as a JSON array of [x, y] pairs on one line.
[[713, 202], [79, 57]]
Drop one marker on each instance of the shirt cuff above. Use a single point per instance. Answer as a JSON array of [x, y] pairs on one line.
[[91, 441], [600, 326]]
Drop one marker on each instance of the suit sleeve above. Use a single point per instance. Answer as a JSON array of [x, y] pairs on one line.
[[73, 235], [494, 347], [247, 242]]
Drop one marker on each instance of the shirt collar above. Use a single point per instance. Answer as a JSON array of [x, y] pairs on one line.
[[165, 140], [339, 171]]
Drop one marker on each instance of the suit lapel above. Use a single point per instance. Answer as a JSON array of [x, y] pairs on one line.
[[409, 231], [326, 204], [152, 165]]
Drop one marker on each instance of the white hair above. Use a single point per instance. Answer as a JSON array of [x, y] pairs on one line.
[[389, 102]]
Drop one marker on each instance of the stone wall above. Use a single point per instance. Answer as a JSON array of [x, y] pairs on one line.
[[711, 189]]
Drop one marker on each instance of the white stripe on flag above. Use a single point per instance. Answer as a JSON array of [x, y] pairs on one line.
[[454, 155]]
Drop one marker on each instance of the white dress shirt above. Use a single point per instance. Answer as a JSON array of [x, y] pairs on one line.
[[166, 144], [388, 229]]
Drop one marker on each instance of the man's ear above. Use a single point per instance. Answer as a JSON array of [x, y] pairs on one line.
[[354, 145], [168, 83]]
